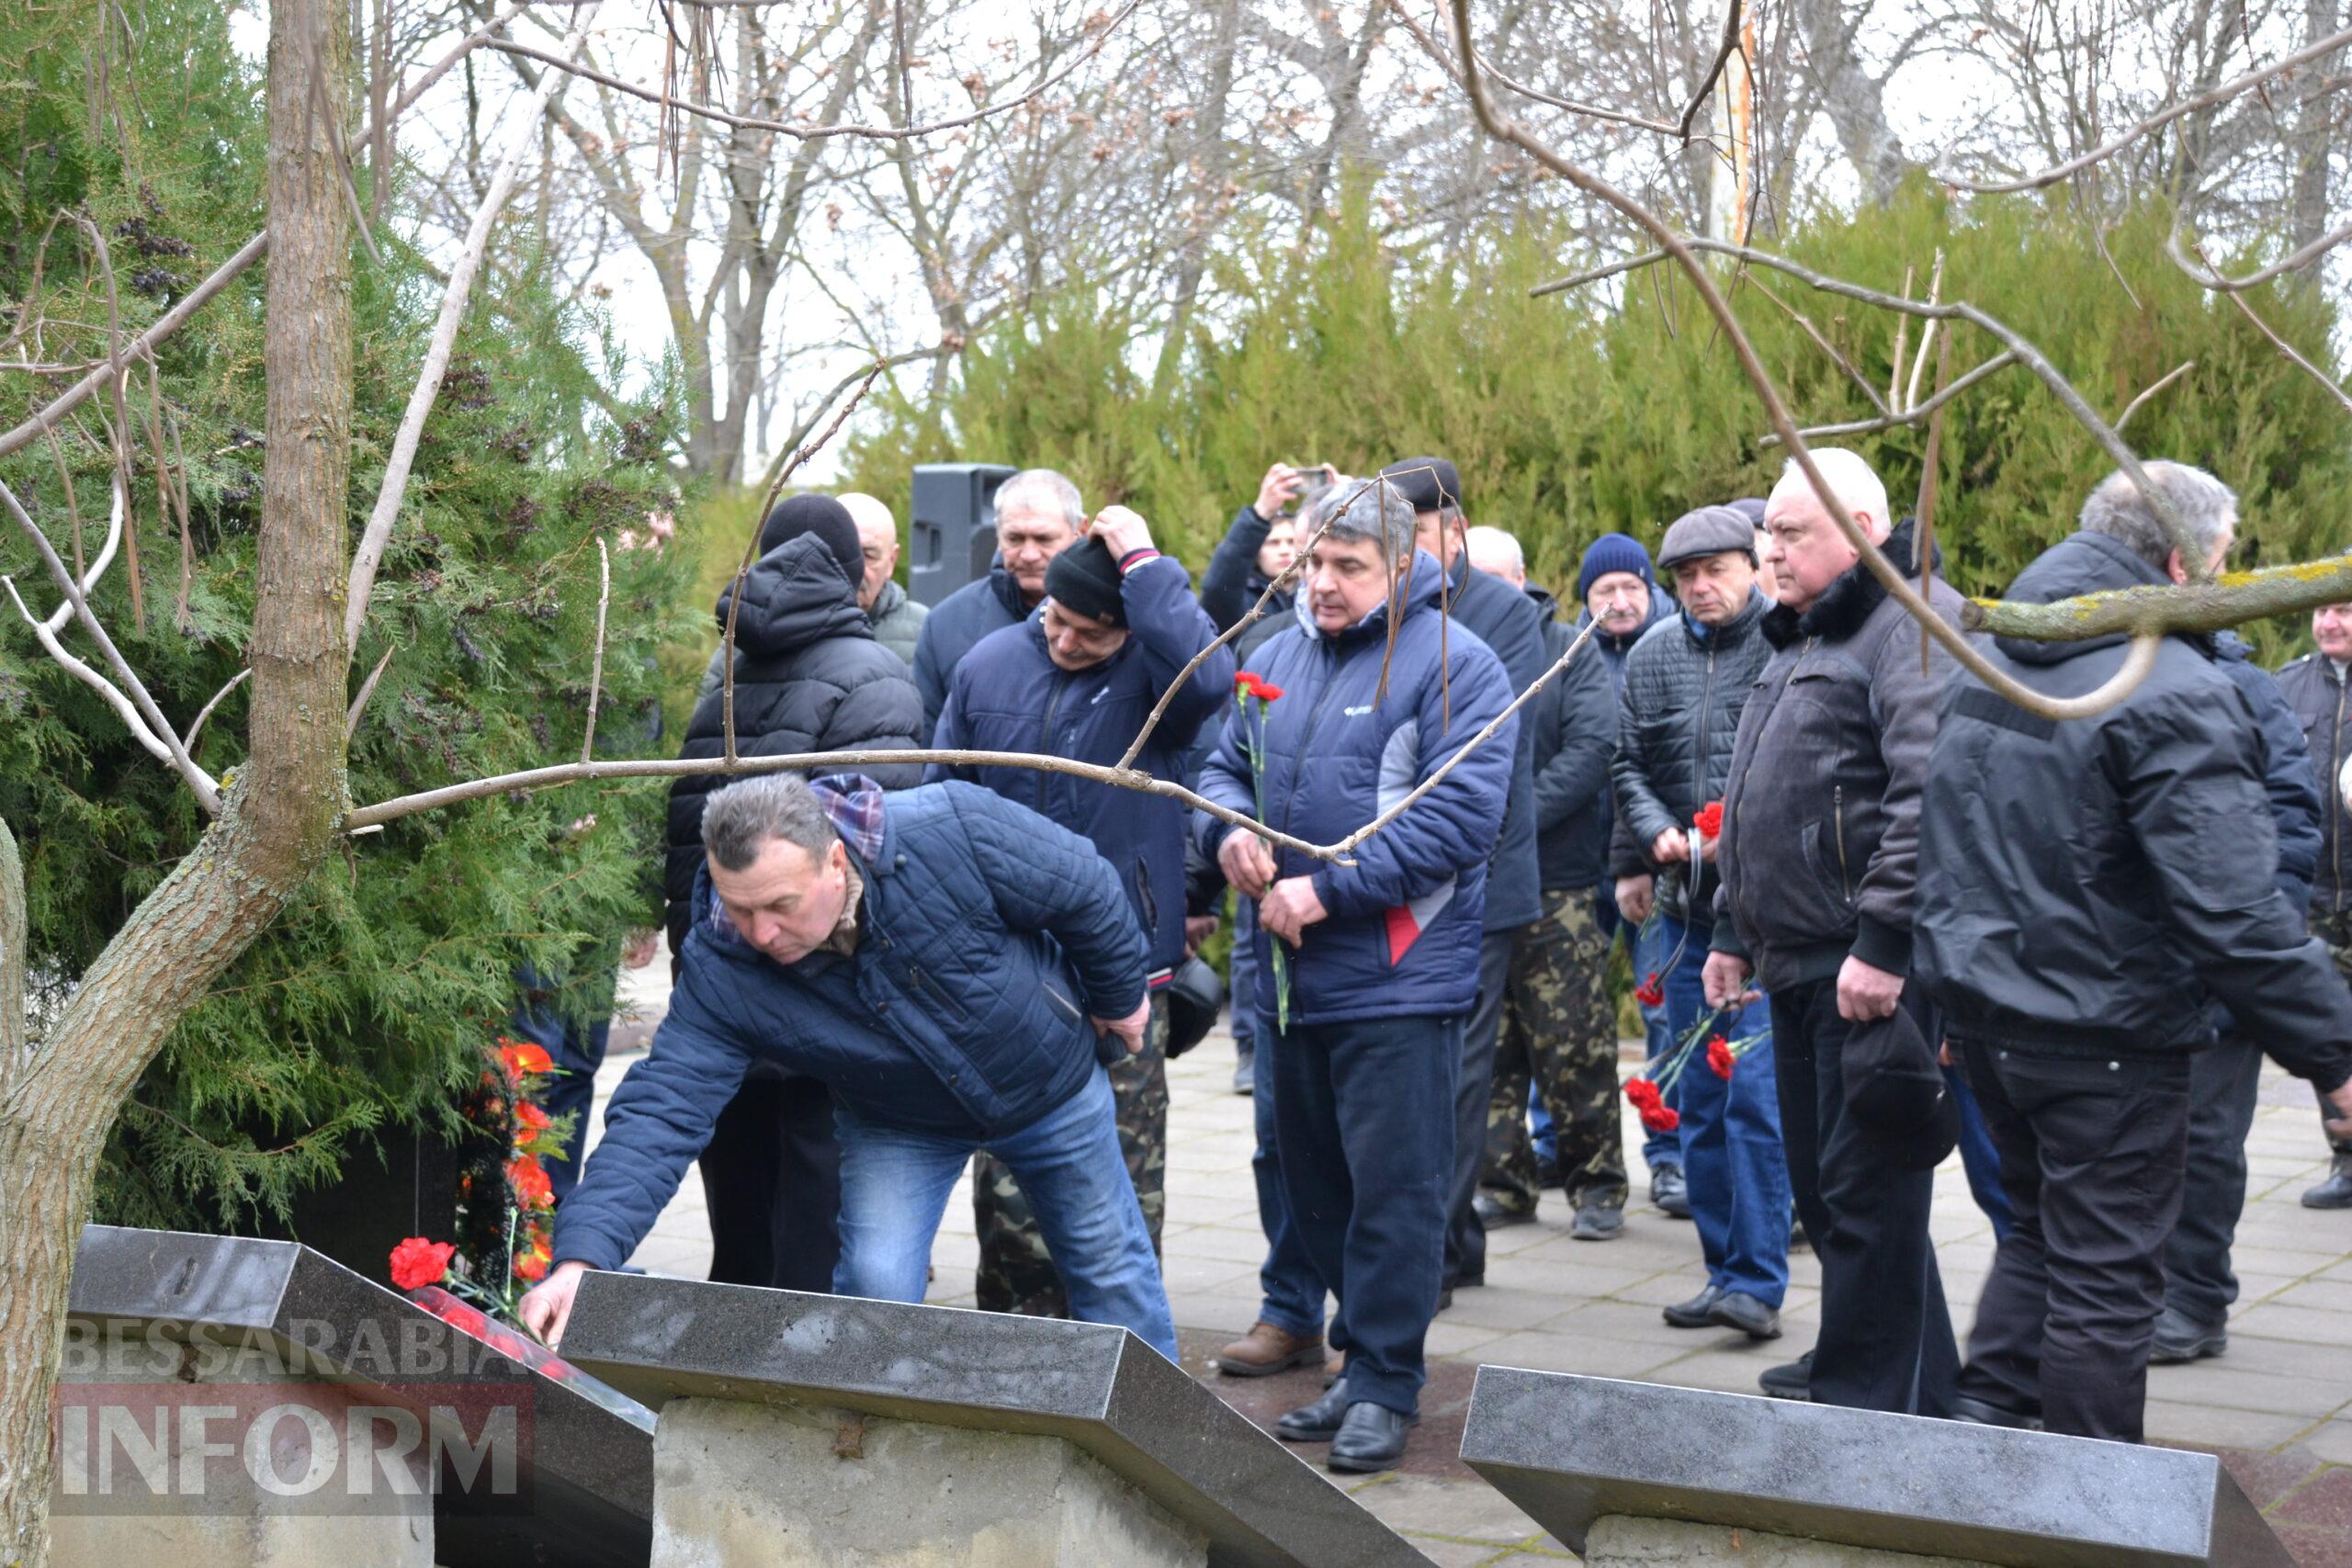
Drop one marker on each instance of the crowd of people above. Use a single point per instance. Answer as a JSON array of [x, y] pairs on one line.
[[1875, 910]]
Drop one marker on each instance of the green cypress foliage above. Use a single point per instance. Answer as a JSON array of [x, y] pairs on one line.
[[370, 1002], [1620, 406]]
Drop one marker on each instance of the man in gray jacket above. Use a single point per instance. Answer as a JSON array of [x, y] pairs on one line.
[[896, 620], [1819, 861]]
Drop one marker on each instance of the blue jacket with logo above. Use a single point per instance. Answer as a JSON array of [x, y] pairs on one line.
[[1402, 933], [1009, 695], [987, 936]]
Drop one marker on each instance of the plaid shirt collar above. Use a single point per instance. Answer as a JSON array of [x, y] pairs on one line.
[[852, 805]]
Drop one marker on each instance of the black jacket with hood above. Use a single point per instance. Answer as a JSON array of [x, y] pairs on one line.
[[1575, 719], [2079, 878], [808, 677]]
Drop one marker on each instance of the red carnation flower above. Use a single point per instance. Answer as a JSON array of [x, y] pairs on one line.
[[1649, 993], [1267, 693], [1642, 1092], [522, 1060], [1660, 1118], [531, 1266], [529, 1180], [1245, 682], [417, 1263], [1710, 820], [1721, 1059]]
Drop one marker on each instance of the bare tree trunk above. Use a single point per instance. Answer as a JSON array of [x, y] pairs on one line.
[[58, 1102], [1208, 190], [2315, 136], [1854, 100]]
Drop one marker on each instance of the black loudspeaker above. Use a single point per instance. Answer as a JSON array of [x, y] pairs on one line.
[[951, 536]]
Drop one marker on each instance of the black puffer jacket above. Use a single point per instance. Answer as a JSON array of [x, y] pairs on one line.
[[1820, 848], [808, 677], [1685, 685], [2315, 689], [2078, 879], [1575, 718]]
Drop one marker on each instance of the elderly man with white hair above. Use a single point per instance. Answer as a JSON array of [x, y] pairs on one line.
[[1819, 859]]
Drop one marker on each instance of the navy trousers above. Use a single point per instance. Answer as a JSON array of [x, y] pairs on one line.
[[1363, 1117]]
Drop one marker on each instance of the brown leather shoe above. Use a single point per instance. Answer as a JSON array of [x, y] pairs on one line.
[[1266, 1349]]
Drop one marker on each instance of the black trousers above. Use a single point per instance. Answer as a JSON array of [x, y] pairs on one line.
[[1886, 1340], [2093, 1154], [1466, 1239], [2222, 1083], [772, 1182]]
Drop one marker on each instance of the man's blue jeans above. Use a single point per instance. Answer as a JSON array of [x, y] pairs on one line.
[[895, 1184], [1732, 1157]]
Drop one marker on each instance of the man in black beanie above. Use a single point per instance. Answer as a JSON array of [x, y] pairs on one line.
[[1077, 679], [821, 516]]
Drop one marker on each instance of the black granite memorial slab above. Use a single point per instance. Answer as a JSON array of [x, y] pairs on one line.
[[1569, 1449], [1098, 1388], [581, 1491]]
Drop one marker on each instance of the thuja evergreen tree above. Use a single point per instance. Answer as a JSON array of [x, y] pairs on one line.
[[364, 1006], [1619, 407]]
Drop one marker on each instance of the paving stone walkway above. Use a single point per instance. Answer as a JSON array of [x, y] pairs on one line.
[[2278, 1406]]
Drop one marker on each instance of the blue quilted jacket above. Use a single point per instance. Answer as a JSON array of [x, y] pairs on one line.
[[987, 936]]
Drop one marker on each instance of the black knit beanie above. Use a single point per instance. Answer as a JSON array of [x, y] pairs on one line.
[[826, 518], [1084, 579]]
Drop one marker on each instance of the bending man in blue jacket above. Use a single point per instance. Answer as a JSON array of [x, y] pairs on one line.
[[1078, 678], [958, 970], [1383, 949]]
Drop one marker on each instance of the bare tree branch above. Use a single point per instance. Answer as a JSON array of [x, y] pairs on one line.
[[2158, 385], [802, 130], [2000, 362], [596, 671], [205, 712], [2116, 143], [379, 532], [2211, 279]]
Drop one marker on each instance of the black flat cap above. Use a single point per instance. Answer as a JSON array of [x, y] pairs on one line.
[[1426, 483]]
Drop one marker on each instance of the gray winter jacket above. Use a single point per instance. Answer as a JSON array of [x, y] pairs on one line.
[[1832, 755], [1685, 684]]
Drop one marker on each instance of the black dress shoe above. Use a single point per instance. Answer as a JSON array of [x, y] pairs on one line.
[[1671, 1192], [1693, 1314], [2180, 1338], [1318, 1422], [1983, 1412], [1790, 1380], [2335, 1192], [1734, 1309], [1371, 1438]]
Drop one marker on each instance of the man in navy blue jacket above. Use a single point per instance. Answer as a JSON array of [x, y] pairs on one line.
[[958, 970], [1381, 950], [1038, 516], [1079, 679], [1508, 623]]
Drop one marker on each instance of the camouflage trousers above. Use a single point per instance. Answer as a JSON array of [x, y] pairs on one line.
[[1017, 1273], [1560, 1031]]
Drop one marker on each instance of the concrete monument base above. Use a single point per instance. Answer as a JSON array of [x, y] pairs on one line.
[[786, 1485], [1620, 1540]]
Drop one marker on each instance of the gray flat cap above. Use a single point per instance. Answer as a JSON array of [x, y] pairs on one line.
[[1710, 530]]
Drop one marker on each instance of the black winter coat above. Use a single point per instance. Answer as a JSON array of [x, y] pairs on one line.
[[1507, 621], [1820, 848], [1676, 718], [2315, 690], [2078, 879], [1612, 650], [1575, 719], [808, 677]]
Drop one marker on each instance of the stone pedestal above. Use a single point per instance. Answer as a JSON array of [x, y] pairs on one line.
[[1620, 1540], [217, 1451], [740, 1485]]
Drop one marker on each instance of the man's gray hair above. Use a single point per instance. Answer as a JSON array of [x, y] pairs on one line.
[[1498, 542], [1370, 508], [739, 820], [1042, 489], [2118, 510]]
